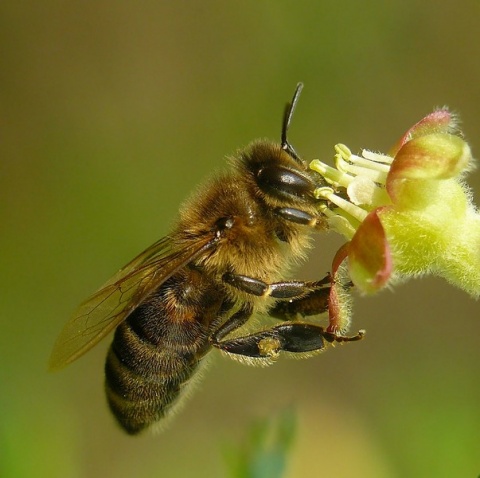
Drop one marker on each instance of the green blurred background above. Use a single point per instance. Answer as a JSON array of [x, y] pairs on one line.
[[111, 112]]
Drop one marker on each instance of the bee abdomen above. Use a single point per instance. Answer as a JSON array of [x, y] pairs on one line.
[[145, 379]]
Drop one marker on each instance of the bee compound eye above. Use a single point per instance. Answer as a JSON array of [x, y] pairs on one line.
[[284, 182]]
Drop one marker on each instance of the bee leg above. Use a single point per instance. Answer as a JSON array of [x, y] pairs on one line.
[[293, 337], [234, 322], [277, 290], [314, 303], [303, 298], [300, 217]]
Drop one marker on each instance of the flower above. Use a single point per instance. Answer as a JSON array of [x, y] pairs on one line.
[[405, 214]]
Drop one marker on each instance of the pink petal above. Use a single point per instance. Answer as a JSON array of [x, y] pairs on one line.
[[340, 256], [440, 121], [370, 261], [432, 156]]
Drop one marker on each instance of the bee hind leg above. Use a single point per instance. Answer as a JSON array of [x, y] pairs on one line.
[[293, 337]]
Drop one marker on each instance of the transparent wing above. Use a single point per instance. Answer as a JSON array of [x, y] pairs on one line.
[[123, 293]]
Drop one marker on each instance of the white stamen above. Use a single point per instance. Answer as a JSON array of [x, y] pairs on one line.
[[377, 157], [355, 165], [354, 211], [364, 178], [338, 223], [331, 175]]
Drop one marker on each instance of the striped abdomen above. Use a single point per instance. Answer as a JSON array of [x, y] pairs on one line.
[[155, 352]]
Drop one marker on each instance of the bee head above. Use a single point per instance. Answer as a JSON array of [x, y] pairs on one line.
[[278, 176]]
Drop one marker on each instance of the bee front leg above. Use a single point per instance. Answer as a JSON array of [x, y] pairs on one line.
[[293, 337], [277, 290]]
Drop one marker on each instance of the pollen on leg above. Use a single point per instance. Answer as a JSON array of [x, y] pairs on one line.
[[269, 347]]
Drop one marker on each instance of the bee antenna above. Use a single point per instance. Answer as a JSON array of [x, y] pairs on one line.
[[287, 118]]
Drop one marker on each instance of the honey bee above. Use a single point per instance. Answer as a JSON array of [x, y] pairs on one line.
[[193, 290]]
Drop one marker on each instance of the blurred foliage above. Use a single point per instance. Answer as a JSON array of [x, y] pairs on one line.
[[112, 112], [264, 452]]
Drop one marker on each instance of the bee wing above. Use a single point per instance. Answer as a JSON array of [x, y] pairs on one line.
[[123, 293]]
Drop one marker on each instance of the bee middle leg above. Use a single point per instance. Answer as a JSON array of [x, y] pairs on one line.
[[314, 302]]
